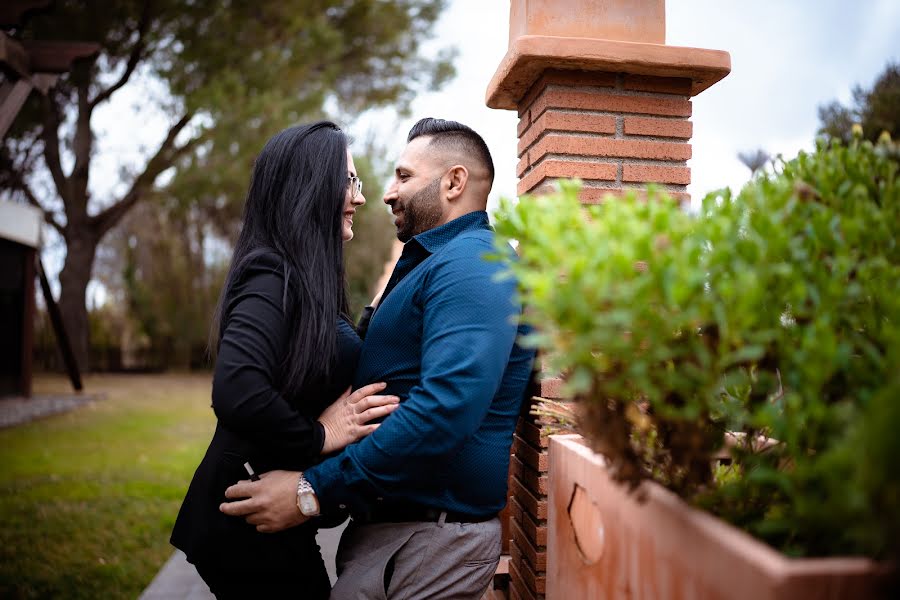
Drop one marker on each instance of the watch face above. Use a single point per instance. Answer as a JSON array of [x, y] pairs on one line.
[[309, 505]]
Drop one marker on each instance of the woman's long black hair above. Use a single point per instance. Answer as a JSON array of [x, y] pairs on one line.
[[294, 208]]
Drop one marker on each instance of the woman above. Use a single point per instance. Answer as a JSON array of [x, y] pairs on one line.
[[285, 350]]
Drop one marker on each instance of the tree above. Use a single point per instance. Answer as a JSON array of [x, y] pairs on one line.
[[165, 264], [159, 271], [234, 71], [876, 110]]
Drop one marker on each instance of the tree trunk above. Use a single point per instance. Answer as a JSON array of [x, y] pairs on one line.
[[73, 280]]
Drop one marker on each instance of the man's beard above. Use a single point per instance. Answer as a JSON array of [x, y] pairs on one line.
[[421, 212]]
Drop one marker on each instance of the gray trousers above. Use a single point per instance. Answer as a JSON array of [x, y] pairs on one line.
[[417, 560]]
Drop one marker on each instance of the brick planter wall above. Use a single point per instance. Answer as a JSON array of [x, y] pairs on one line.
[[613, 112], [528, 490]]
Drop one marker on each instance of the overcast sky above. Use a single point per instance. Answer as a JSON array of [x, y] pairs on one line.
[[787, 57]]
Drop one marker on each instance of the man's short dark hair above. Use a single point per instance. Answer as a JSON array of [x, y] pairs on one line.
[[454, 136]]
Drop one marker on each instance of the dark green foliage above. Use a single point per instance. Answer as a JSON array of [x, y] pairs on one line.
[[876, 110], [773, 314], [229, 74]]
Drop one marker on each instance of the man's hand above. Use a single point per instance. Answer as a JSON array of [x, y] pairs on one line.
[[270, 503]]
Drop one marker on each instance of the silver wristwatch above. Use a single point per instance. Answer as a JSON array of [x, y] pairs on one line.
[[307, 501]]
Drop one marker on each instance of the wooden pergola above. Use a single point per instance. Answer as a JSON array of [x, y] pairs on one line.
[[27, 66]]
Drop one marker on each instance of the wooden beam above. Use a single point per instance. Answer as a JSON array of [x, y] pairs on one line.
[[13, 57], [14, 96], [57, 57], [12, 12]]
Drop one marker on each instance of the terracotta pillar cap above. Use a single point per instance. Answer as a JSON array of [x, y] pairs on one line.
[[530, 55]]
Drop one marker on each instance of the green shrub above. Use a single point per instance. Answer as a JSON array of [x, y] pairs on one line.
[[774, 314]]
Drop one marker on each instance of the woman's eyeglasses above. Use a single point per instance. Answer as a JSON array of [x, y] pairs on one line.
[[355, 186]]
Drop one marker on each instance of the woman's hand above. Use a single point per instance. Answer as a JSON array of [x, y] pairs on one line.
[[346, 420]]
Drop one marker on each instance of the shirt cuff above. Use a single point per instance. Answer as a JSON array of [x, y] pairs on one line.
[[327, 481], [322, 478]]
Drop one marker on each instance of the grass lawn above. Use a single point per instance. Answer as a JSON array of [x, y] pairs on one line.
[[88, 498]]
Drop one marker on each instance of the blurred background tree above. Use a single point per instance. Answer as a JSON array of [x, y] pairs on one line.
[[233, 73], [876, 110], [754, 160]]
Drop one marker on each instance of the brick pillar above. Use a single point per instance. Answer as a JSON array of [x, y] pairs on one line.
[[610, 110], [615, 131], [599, 97], [528, 510]]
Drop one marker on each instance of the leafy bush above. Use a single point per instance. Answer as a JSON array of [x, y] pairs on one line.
[[765, 330]]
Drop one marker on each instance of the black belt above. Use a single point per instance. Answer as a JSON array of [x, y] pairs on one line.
[[407, 513]]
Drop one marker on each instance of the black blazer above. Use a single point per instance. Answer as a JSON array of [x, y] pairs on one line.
[[259, 425]]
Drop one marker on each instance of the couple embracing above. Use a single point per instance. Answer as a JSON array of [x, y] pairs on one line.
[[418, 453]]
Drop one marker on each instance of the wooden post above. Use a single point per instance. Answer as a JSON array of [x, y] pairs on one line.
[[28, 313], [65, 347]]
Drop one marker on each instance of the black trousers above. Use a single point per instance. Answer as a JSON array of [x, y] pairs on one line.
[[299, 583]]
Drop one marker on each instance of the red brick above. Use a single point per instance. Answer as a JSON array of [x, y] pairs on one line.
[[599, 100], [517, 588], [528, 454], [565, 78], [527, 101], [553, 120], [536, 482], [535, 530], [515, 467], [515, 594], [534, 506], [676, 128], [536, 558], [531, 432], [553, 168], [592, 195], [551, 388], [516, 591], [683, 198], [522, 166], [664, 85], [583, 78], [515, 509], [524, 123], [656, 174], [537, 582], [580, 145]]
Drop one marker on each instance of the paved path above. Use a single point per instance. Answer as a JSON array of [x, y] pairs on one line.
[[15, 410], [178, 580]]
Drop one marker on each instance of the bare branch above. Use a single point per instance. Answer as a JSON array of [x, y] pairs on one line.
[[164, 158], [49, 217], [50, 135], [133, 58]]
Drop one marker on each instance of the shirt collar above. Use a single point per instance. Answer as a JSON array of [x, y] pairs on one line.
[[435, 239]]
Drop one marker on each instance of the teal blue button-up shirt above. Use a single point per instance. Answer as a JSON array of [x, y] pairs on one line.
[[444, 340]]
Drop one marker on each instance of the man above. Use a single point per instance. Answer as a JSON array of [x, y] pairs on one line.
[[425, 488]]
